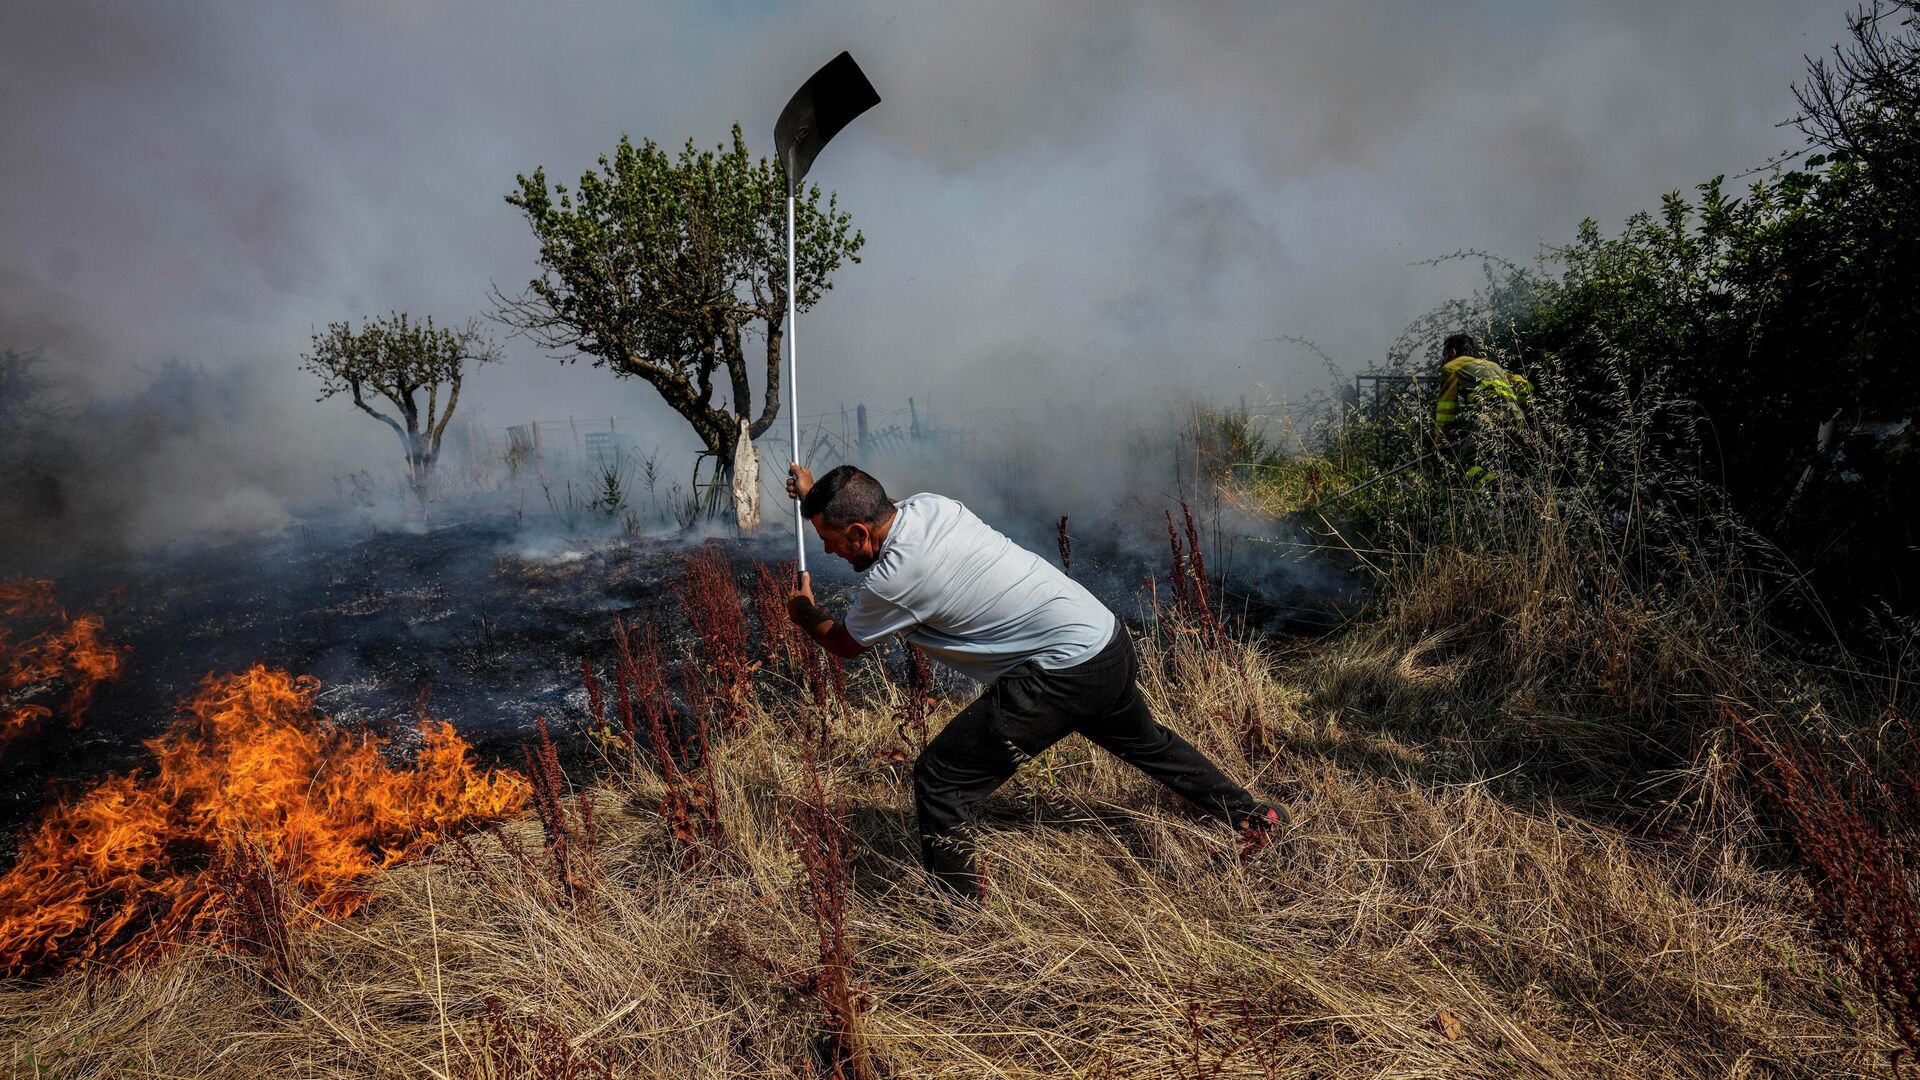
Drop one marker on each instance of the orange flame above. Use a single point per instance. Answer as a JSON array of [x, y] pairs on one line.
[[71, 652], [250, 771], [29, 597]]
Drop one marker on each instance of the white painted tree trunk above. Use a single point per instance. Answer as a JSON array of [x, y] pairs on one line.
[[746, 482]]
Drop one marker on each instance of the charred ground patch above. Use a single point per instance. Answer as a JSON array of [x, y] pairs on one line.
[[483, 620]]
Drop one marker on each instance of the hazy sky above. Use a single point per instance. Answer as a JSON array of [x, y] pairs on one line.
[[1076, 202]]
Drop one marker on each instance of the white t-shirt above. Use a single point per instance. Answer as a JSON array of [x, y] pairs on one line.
[[973, 599]]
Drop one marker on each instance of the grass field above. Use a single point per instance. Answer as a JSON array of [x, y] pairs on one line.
[[761, 914]]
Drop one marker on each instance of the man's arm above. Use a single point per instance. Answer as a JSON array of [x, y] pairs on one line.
[[830, 633]]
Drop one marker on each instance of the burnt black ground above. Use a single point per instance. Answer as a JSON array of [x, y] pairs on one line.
[[489, 614]]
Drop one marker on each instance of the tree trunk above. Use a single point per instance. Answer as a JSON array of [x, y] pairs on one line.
[[419, 466], [746, 481]]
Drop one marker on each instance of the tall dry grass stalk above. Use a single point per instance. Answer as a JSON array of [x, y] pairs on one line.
[[808, 670], [1192, 587], [916, 704], [713, 606], [677, 746], [1853, 830], [817, 830]]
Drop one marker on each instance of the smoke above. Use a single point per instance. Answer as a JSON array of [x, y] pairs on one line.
[[180, 458], [1078, 214]]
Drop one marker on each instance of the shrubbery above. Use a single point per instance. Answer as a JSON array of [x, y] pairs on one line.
[[1760, 345], [1685, 603]]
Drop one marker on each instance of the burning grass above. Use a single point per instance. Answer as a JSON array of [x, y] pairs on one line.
[[1449, 900], [1402, 928], [43, 652], [256, 810]]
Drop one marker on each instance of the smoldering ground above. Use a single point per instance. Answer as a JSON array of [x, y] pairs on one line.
[[483, 602], [483, 605], [99, 479]]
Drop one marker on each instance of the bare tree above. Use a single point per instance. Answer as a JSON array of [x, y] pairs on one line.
[[1865, 100], [394, 360]]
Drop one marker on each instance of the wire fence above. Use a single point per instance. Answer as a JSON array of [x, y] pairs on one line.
[[848, 434], [591, 457], [588, 454]]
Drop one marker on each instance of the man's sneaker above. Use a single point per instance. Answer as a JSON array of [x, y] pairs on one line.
[[1259, 828]]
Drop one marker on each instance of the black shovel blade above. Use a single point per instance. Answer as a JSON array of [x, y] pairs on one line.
[[826, 103]]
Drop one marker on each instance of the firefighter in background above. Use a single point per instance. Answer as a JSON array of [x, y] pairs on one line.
[[1479, 403]]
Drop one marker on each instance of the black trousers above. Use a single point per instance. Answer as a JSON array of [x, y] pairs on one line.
[[1029, 709]]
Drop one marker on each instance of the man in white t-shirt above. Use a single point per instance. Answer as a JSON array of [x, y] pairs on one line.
[[1053, 658]]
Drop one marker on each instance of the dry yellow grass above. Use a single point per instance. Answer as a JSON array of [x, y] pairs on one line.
[[1406, 928]]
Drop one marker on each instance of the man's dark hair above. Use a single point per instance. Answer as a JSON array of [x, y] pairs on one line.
[[1459, 345], [846, 495]]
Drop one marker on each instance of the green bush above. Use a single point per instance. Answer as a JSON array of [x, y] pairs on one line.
[[1770, 341]]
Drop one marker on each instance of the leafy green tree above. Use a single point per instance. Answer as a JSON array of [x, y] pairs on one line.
[[658, 268], [396, 360]]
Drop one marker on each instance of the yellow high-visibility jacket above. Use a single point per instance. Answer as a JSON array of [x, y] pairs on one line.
[[1463, 379]]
